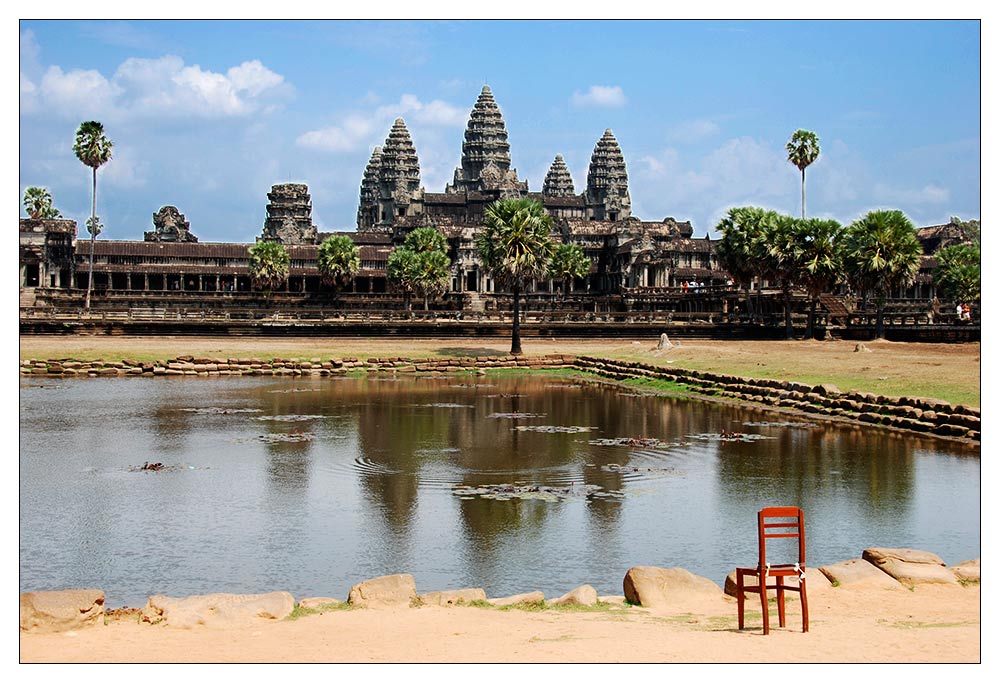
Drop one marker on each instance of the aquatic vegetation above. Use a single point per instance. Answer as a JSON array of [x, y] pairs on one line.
[[630, 441], [289, 418], [291, 437], [526, 492], [514, 416], [550, 429], [443, 405], [212, 410]]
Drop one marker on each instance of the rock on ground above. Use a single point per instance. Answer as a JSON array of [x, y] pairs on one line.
[[859, 574], [966, 571], [583, 595], [909, 566], [815, 581], [51, 611], [659, 587], [534, 596], [217, 609], [395, 590]]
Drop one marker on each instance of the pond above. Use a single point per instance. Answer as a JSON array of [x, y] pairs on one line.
[[507, 483]]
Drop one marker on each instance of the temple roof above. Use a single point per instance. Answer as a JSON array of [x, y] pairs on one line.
[[607, 166], [558, 181], [399, 168]]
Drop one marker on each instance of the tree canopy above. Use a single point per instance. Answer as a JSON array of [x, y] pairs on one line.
[[569, 262], [38, 203], [421, 264], [269, 265], [338, 259], [803, 150]]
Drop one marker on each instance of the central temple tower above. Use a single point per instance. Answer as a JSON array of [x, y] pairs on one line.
[[486, 153]]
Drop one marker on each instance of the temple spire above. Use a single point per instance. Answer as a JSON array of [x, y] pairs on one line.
[[607, 181], [558, 181], [485, 152]]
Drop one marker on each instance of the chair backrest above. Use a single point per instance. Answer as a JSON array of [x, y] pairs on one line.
[[781, 522]]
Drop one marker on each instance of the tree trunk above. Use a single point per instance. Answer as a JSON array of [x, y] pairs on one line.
[[515, 336], [788, 313], [812, 317], [93, 236], [879, 332], [803, 194], [427, 306]]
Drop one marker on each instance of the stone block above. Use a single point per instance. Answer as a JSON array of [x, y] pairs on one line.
[[583, 595], [67, 610], [534, 596], [908, 566], [661, 587], [217, 609], [384, 591], [453, 597], [859, 574]]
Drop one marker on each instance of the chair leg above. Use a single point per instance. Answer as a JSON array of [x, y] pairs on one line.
[[762, 587], [781, 600], [805, 605], [740, 595]]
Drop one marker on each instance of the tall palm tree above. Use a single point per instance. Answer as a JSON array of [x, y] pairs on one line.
[[93, 149], [959, 271], [819, 260], [269, 265], [880, 253], [400, 269], [803, 149], [338, 259], [515, 247], [569, 263], [38, 203]]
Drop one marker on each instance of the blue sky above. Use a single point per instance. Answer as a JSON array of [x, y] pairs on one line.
[[207, 115]]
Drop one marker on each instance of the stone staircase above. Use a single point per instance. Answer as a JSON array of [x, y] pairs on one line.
[[27, 297]]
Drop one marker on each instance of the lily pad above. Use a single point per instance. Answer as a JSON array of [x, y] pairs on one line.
[[212, 410], [629, 441], [527, 492], [552, 429], [289, 418], [514, 416], [292, 437]]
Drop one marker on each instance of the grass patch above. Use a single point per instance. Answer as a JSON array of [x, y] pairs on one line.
[[665, 386], [299, 611], [968, 582]]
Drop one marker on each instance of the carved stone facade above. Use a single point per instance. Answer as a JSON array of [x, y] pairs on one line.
[[558, 181], [289, 215], [169, 226], [607, 181], [486, 153]]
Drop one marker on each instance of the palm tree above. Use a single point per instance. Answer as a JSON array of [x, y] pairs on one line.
[[93, 149], [803, 149], [781, 251], [400, 269], [819, 260], [269, 265], [880, 253], [741, 251], [959, 273], [515, 247], [38, 204], [338, 259], [569, 263], [421, 265]]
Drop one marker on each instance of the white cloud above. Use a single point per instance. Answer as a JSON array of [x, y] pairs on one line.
[[125, 170], [351, 135], [77, 92], [253, 77], [928, 194], [599, 96], [692, 131], [160, 88], [354, 131]]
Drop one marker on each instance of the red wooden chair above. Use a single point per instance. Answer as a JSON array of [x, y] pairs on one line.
[[790, 524]]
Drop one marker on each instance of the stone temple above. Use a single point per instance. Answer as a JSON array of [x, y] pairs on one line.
[[632, 260]]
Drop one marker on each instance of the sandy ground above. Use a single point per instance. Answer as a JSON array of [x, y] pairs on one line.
[[928, 624]]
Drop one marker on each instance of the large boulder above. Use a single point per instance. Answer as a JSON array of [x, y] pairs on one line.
[[534, 596], [51, 611], [455, 597], [858, 574], [910, 567], [659, 587], [217, 609], [584, 595], [395, 590], [966, 571]]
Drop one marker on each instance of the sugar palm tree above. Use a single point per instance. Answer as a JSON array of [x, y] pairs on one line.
[[803, 149], [819, 260], [741, 251], [93, 149], [400, 269], [781, 252], [38, 203], [959, 271], [515, 247], [569, 263], [338, 259], [269, 265], [880, 253]]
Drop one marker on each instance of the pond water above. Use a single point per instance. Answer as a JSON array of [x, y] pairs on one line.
[[510, 484]]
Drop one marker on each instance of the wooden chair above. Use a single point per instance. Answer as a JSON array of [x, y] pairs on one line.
[[790, 524]]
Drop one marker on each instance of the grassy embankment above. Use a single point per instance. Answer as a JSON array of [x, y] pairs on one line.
[[950, 372]]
